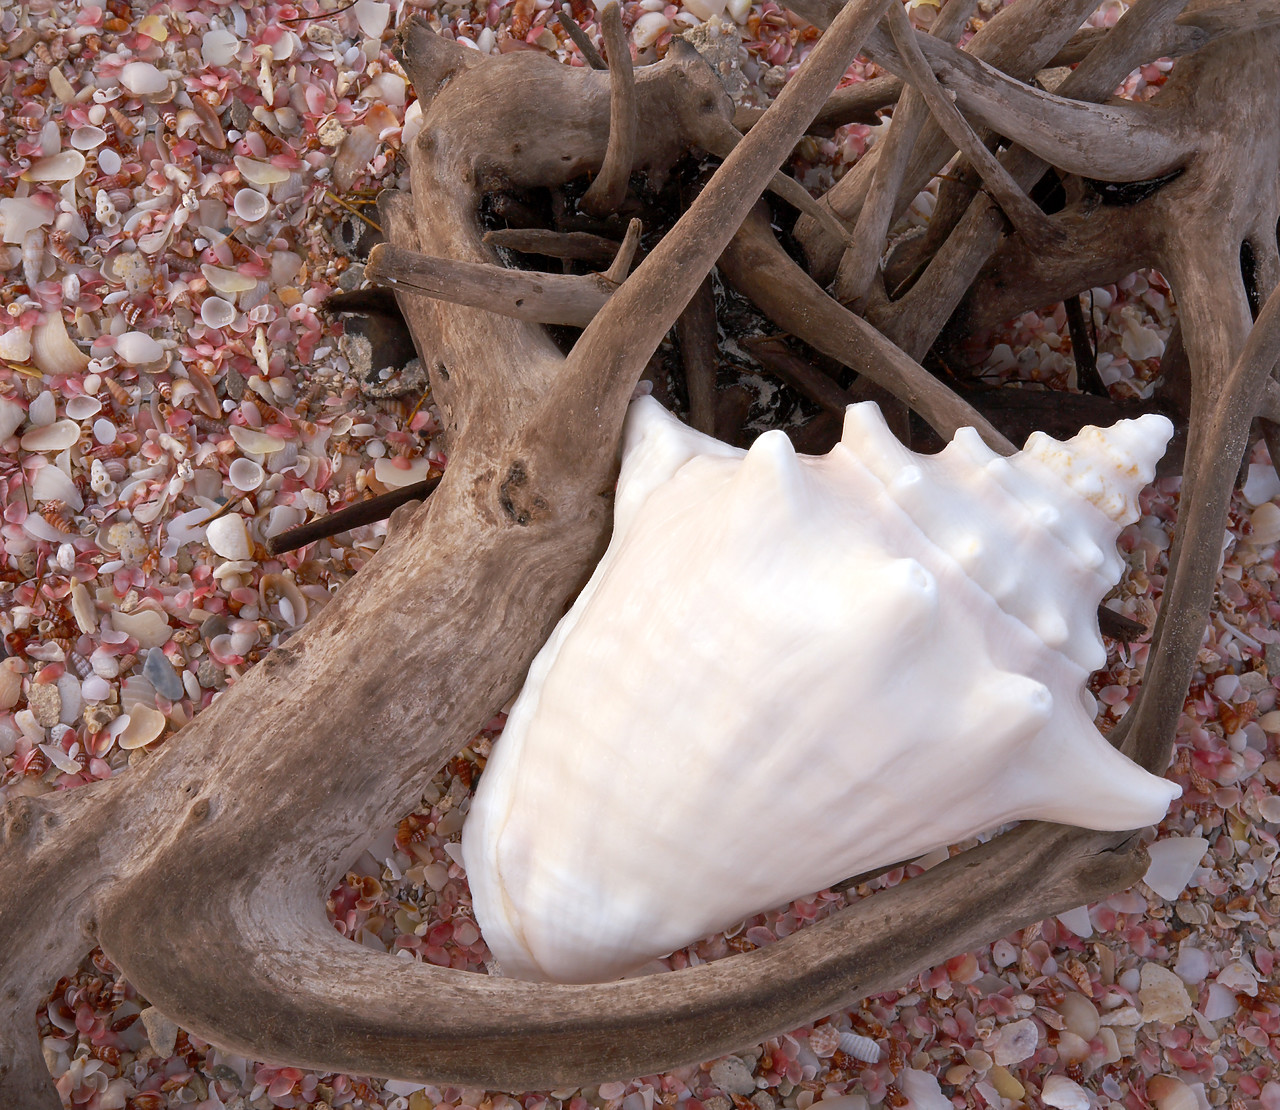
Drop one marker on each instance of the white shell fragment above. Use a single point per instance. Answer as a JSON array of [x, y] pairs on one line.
[[217, 313], [137, 348], [902, 641], [142, 79], [57, 436], [62, 166], [250, 205], [229, 538]]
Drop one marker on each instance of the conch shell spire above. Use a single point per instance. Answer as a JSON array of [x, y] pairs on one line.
[[898, 642]]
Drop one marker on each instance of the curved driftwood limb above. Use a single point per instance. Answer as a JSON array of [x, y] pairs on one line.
[[861, 260], [526, 498], [757, 266], [1215, 455], [620, 267], [1104, 244], [585, 46], [924, 309], [1018, 40], [856, 104], [324, 1002], [721, 140], [580, 246], [610, 186], [572, 299], [1027, 218], [1119, 141]]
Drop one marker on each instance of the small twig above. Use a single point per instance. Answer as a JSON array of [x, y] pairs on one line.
[[621, 264], [585, 46], [222, 510], [319, 15], [353, 210], [353, 516], [1087, 377], [610, 186]]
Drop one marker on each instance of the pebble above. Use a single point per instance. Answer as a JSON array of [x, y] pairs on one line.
[[923, 1090], [137, 348], [733, 1076], [143, 79], [1063, 1093], [10, 683], [57, 436], [1080, 1015], [68, 687], [210, 675], [1264, 524], [218, 47], [161, 1032], [149, 627], [45, 703], [159, 671], [1194, 964], [12, 414], [1165, 1092], [1006, 1083]]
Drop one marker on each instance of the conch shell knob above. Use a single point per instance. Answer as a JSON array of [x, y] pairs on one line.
[[787, 670]]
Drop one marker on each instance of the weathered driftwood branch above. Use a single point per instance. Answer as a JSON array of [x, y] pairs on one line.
[[1112, 142], [522, 294], [860, 263], [925, 308], [698, 335], [579, 245], [1027, 218], [610, 186], [585, 46], [757, 266], [1018, 40]]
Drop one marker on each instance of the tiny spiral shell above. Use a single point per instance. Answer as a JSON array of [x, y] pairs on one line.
[[56, 514], [60, 247], [124, 125]]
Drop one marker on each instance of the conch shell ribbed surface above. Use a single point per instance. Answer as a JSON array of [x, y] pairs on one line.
[[787, 670]]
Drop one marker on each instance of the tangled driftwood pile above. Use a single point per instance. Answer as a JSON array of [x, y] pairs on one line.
[[201, 874]]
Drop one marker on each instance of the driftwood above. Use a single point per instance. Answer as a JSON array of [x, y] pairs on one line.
[[201, 873]]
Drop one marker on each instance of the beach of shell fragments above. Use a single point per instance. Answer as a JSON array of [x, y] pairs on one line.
[[174, 179]]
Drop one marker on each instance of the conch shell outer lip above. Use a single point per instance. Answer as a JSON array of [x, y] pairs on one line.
[[787, 670]]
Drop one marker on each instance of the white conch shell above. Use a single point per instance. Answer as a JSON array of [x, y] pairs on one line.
[[787, 670]]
